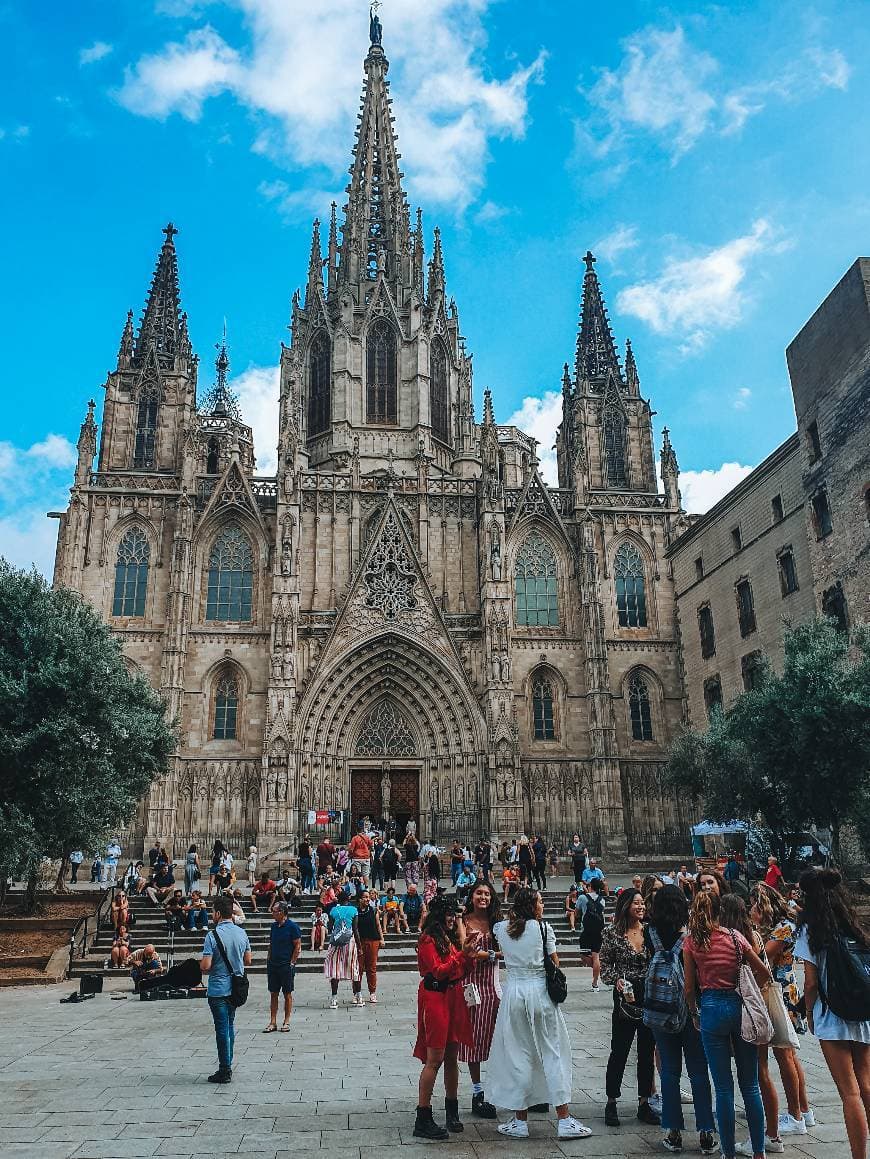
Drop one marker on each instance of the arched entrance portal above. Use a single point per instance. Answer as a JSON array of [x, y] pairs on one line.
[[391, 730]]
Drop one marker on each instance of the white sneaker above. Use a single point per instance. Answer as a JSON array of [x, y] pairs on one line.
[[571, 1128], [810, 1118], [595, 987], [514, 1127], [791, 1126], [358, 1000], [771, 1147], [373, 998], [333, 1004], [655, 1103]]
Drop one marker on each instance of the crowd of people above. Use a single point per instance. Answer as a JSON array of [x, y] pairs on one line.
[[679, 955]]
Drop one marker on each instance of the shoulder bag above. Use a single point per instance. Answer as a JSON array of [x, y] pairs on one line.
[[239, 983], [557, 984], [755, 1025]]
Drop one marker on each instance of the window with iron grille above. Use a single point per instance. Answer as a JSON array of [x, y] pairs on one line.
[[381, 374], [707, 630], [535, 589], [745, 607]]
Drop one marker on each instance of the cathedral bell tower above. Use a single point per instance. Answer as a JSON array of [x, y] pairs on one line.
[[151, 395], [376, 367]]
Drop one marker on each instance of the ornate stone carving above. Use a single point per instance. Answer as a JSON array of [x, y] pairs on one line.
[[385, 733]]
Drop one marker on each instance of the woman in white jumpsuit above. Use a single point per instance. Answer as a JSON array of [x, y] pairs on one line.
[[530, 1057]]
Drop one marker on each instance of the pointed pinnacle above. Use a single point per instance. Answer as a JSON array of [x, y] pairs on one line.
[[315, 262], [488, 416], [161, 321], [596, 350]]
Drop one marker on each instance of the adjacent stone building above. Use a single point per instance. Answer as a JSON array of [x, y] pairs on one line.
[[792, 540], [405, 622]]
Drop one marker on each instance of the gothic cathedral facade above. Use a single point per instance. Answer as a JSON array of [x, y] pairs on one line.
[[406, 621]]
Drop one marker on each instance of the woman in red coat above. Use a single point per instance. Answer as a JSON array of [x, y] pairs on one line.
[[443, 1024]]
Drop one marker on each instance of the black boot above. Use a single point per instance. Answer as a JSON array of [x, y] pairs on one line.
[[481, 1109], [611, 1115], [425, 1126], [221, 1076], [451, 1109]]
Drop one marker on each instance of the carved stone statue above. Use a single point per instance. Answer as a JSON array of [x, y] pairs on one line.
[[385, 791], [289, 664], [495, 557], [376, 31]]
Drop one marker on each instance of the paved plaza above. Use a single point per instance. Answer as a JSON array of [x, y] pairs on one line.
[[128, 1078]]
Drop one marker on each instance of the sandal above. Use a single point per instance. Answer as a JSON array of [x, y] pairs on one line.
[[285, 1029], [270, 1029]]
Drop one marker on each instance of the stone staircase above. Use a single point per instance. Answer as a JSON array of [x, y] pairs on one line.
[[399, 953]]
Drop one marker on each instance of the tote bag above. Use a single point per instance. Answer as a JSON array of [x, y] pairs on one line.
[[756, 1027], [784, 1033]]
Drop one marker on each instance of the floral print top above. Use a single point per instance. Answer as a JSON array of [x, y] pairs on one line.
[[783, 971]]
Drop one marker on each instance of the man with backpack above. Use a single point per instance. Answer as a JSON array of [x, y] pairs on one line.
[[592, 929]]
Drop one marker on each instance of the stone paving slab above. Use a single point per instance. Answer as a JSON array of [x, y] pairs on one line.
[[109, 1079]]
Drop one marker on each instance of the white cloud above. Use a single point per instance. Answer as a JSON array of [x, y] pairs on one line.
[[258, 390], [667, 88], [304, 76], [97, 51], [701, 489], [660, 86], [16, 133], [33, 480], [741, 398], [539, 417], [695, 296], [618, 242]]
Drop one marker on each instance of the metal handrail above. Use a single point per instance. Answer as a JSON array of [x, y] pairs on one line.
[[82, 928]]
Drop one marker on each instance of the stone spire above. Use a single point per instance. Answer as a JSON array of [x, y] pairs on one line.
[[377, 216], [596, 350], [670, 472], [125, 351], [315, 261], [436, 269], [332, 255], [86, 446], [160, 330], [632, 381]]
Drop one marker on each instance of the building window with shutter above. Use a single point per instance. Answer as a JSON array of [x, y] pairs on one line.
[[745, 607], [707, 630]]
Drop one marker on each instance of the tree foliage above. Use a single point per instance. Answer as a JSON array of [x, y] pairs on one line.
[[795, 751], [80, 738]]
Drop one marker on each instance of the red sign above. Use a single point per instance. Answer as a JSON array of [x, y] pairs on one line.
[[321, 817]]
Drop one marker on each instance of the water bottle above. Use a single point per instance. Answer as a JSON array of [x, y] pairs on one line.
[[627, 990]]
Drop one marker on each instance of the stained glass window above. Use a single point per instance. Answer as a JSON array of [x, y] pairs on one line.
[[226, 707], [614, 447], [439, 402], [630, 587], [146, 428], [639, 708], [230, 577], [381, 367], [131, 574], [542, 709], [319, 385], [537, 603]]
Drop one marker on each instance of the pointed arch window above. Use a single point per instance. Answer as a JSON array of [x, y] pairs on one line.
[[630, 587], [212, 461], [131, 574], [439, 394], [543, 713], [319, 385], [537, 602], [226, 707], [639, 708], [230, 577], [146, 428], [614, 447], [381, 374]]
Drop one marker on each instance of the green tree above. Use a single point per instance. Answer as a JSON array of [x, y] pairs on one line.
[[81, 739], [795, 751]]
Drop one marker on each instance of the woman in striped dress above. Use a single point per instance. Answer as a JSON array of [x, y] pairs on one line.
[[482, 911], [343, 953]]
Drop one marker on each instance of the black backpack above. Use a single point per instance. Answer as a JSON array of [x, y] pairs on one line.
[[846, 988]]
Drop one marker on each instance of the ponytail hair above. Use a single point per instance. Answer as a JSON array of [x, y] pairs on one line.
[[702, 918]]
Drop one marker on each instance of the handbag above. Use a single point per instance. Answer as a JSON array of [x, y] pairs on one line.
[[240, 984], [471, 993], [557, 984], [784, 1033], [755, 1025]]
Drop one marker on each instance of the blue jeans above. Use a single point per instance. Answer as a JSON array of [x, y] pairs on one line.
[[197, 919], [672, 1049], [224, 1016], [720, 1033]]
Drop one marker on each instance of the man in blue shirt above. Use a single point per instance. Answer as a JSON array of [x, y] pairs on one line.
[[285, 942], [238, 951], [593, 873]]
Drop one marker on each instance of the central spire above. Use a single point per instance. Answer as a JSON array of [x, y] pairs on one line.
[[161, 328], [596, 350], [376, 230]]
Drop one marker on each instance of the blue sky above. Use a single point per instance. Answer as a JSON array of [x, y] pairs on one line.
[[713, 156]]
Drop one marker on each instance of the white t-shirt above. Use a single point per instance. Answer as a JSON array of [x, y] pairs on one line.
[[827, 1025]]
